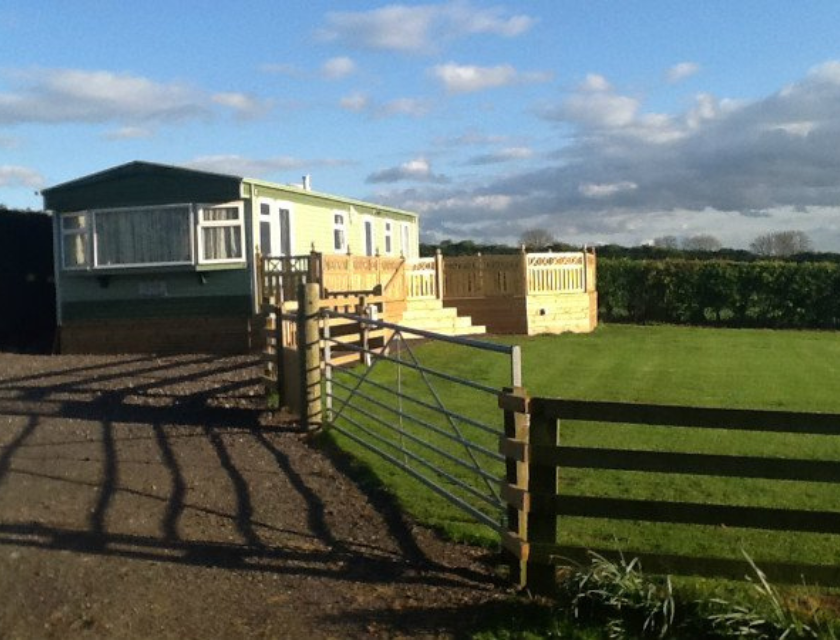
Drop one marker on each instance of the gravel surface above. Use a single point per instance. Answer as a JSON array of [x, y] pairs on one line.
[[151, 497]]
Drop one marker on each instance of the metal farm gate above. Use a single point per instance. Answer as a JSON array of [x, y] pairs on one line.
[[370, 381]]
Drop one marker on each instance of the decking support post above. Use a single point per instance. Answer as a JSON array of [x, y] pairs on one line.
[[309, 355], [542, 520], [439, 274], [516, 422], [523, 257]]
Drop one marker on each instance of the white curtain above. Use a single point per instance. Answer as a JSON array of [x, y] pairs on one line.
[[222, 241], [143, 236]]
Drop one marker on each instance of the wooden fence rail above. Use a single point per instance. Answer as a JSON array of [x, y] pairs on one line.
[[536, 499]]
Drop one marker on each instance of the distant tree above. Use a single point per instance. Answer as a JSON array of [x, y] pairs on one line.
[[702, 242], [537, 238], [781, 243], [666, 242]]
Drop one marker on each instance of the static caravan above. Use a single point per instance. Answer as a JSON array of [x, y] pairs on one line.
[[156, 258]]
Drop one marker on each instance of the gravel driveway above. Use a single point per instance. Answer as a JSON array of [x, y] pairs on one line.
[[151, 497]]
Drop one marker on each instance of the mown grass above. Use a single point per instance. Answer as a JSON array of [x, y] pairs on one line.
[[785, 370]]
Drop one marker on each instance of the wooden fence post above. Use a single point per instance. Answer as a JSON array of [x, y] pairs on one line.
[[515, 403], [542, 518], [364, 331], [439, 280], [309, 355]]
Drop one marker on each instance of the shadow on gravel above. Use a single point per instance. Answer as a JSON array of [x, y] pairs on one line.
[[66, 429]]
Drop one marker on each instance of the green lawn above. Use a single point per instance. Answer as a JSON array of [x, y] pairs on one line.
[[798, 371]]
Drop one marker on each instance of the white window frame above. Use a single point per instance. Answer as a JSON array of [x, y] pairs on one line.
[[388, 238], [272, 223], [202, 224], [84, 231], [342, 227]]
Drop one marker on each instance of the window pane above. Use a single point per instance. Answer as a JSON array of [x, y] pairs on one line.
[[143, 236], [79, 221], [75, 250], [265, 238], [222, 243], [221, 213]]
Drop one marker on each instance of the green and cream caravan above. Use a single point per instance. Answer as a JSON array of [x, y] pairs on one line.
[[155, 258]]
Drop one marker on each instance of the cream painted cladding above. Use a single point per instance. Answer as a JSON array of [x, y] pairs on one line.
[[292, 221]]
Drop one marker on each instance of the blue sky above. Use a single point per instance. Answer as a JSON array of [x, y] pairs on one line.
[[600, 121]]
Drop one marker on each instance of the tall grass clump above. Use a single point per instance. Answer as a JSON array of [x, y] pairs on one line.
[[627, 603]]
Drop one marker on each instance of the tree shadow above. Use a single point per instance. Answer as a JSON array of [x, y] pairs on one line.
[[205, 399]]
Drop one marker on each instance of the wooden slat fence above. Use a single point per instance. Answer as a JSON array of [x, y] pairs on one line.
[[537, 501]]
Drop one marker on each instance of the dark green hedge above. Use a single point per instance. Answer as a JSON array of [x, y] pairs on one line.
[[720, 293]]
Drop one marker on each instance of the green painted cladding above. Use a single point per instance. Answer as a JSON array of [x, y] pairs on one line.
[[141, 184], [204, 290], [191, 307], [156, 294]]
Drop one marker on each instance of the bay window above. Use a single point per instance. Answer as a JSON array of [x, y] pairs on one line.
[[166, 235], [142, 236]]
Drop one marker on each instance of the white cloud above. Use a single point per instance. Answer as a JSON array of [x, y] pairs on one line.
[[354, 102], [337, 68], [14, 176], [416, 170], [259, 167], [76, 95], [244, 105], [734, 169], [420, 28], [682, 71], [591, 190], [595, 104], [469, 78], [129, 133]]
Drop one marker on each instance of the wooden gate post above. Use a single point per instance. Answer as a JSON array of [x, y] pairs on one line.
[[514, 446], [309, 355]]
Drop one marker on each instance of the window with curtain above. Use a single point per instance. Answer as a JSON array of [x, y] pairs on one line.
[[75, 239], [143, 236], [221, 230]]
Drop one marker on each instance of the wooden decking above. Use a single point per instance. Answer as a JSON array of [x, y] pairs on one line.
[[516, 294]]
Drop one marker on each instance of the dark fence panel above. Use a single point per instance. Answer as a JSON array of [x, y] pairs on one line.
[[27, 288]]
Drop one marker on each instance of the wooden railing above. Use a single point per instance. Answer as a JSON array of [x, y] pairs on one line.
[[279, 276], [422, 276], [537, 495], [556, 272], [479, 276]]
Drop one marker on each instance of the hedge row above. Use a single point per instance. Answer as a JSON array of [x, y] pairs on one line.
[[720, 293]]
